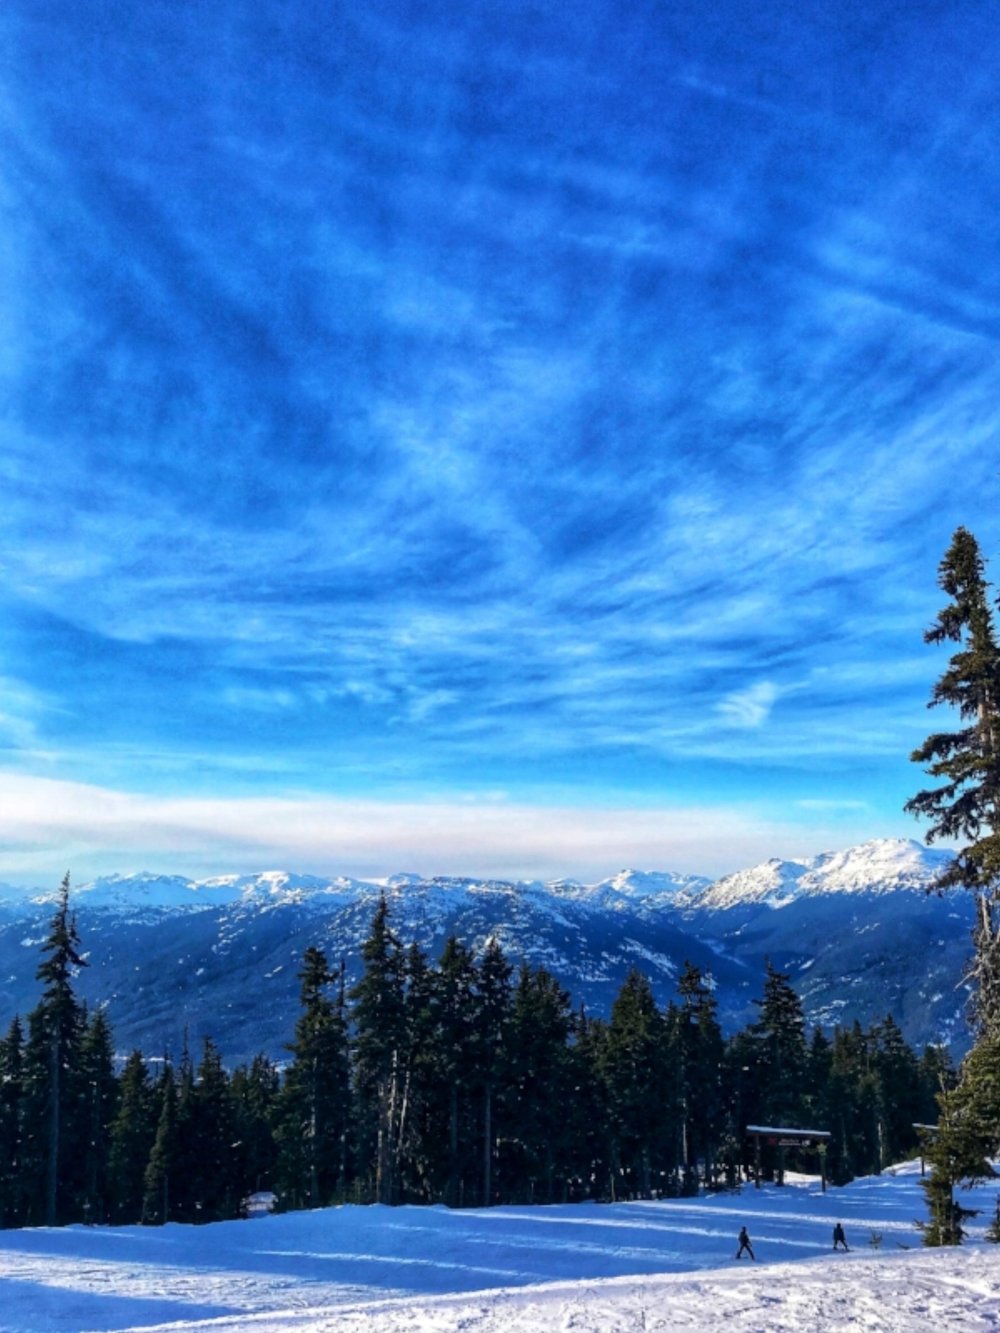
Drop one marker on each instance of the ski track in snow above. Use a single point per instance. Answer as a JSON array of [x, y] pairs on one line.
[[584, 1268]]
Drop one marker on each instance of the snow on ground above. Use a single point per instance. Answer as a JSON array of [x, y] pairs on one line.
[[584, 1268]]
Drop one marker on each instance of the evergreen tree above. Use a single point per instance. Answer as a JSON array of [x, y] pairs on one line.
[[456, 1061], [379, 1054], [314, 1105], [967, 1138], [256, 1095], [899, 1099], [635, 1075], [742, 1092], [780, 1056], [781, 1051], [699, 1051], [165, 1165], [588, 1113], [937, 1074], [493, 1014], [213, 1163], [422, 1152], [97, 1109], [967, 806], [11, 1096], [133, 1132], [53, 1160], [534, 1108]]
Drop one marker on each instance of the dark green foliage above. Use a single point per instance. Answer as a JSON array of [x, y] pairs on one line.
[[780, 1052], [161, 1179], [312, 1111], [967, 1137], [898, 1092], [256, 1093], [12, 1202], [965, 807], [637, 1075], [493, 1016], [133, 1132], [54, 1137], [211, 1165], [96, 1111], [379, 1013], [447, 1083], [458, 1061], [532, 1154], [698, 1050]]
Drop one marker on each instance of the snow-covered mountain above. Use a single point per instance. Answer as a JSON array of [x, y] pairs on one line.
[[856, 929], [883, 865]]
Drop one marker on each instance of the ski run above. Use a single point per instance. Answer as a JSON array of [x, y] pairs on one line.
[[589, 1268]]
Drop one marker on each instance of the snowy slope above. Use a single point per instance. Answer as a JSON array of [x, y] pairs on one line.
[[588, 1268], [883, 865]]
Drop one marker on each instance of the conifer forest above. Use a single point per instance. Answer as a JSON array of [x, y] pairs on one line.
[[465, 1081]]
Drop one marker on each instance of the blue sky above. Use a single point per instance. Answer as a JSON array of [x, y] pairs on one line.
[[503, 439]]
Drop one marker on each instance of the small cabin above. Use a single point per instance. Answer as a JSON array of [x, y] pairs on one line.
[[260, 1204]]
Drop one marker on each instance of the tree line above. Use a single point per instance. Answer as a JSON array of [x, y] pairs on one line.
[[466, 1081]]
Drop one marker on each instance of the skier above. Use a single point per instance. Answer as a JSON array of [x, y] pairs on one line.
[[839, 1238], [745, 1245]]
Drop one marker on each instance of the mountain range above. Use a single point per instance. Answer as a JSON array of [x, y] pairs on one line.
[[860, 932]]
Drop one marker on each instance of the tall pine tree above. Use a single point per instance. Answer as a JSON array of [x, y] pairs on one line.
[[52, 1070], [314, 1105], [966, 807], [380, 1056]]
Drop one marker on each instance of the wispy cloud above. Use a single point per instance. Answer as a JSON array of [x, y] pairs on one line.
[[750, 707], [488, 405]]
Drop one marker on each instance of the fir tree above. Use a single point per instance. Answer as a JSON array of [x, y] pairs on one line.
[[256, 1095], [897, 1076], [635, 1075], [312, 1111], [52, 1069], [133, 1132], [534, 1107], [11, 1114], [967, 806], [422, 1153], [456, 1058], [379, 1053], [164, 1159], [213, 1162], [493, 1021], [781, 1051], [699, 1051], [97, 1109]]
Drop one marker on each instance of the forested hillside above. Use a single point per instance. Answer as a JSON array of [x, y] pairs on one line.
[[463, 1080]]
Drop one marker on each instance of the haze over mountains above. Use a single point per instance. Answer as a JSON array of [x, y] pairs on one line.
[[857, 930]]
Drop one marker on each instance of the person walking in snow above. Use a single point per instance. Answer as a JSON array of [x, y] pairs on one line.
[[839, 1238], [745, 1245]]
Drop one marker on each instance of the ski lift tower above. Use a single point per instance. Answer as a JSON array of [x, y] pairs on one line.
[[782, 1137]]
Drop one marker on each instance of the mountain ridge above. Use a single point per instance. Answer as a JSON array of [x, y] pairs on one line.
[[877, 865], [857, 931]]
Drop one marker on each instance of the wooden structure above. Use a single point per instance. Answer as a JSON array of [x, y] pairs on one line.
[[782, 1137]]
